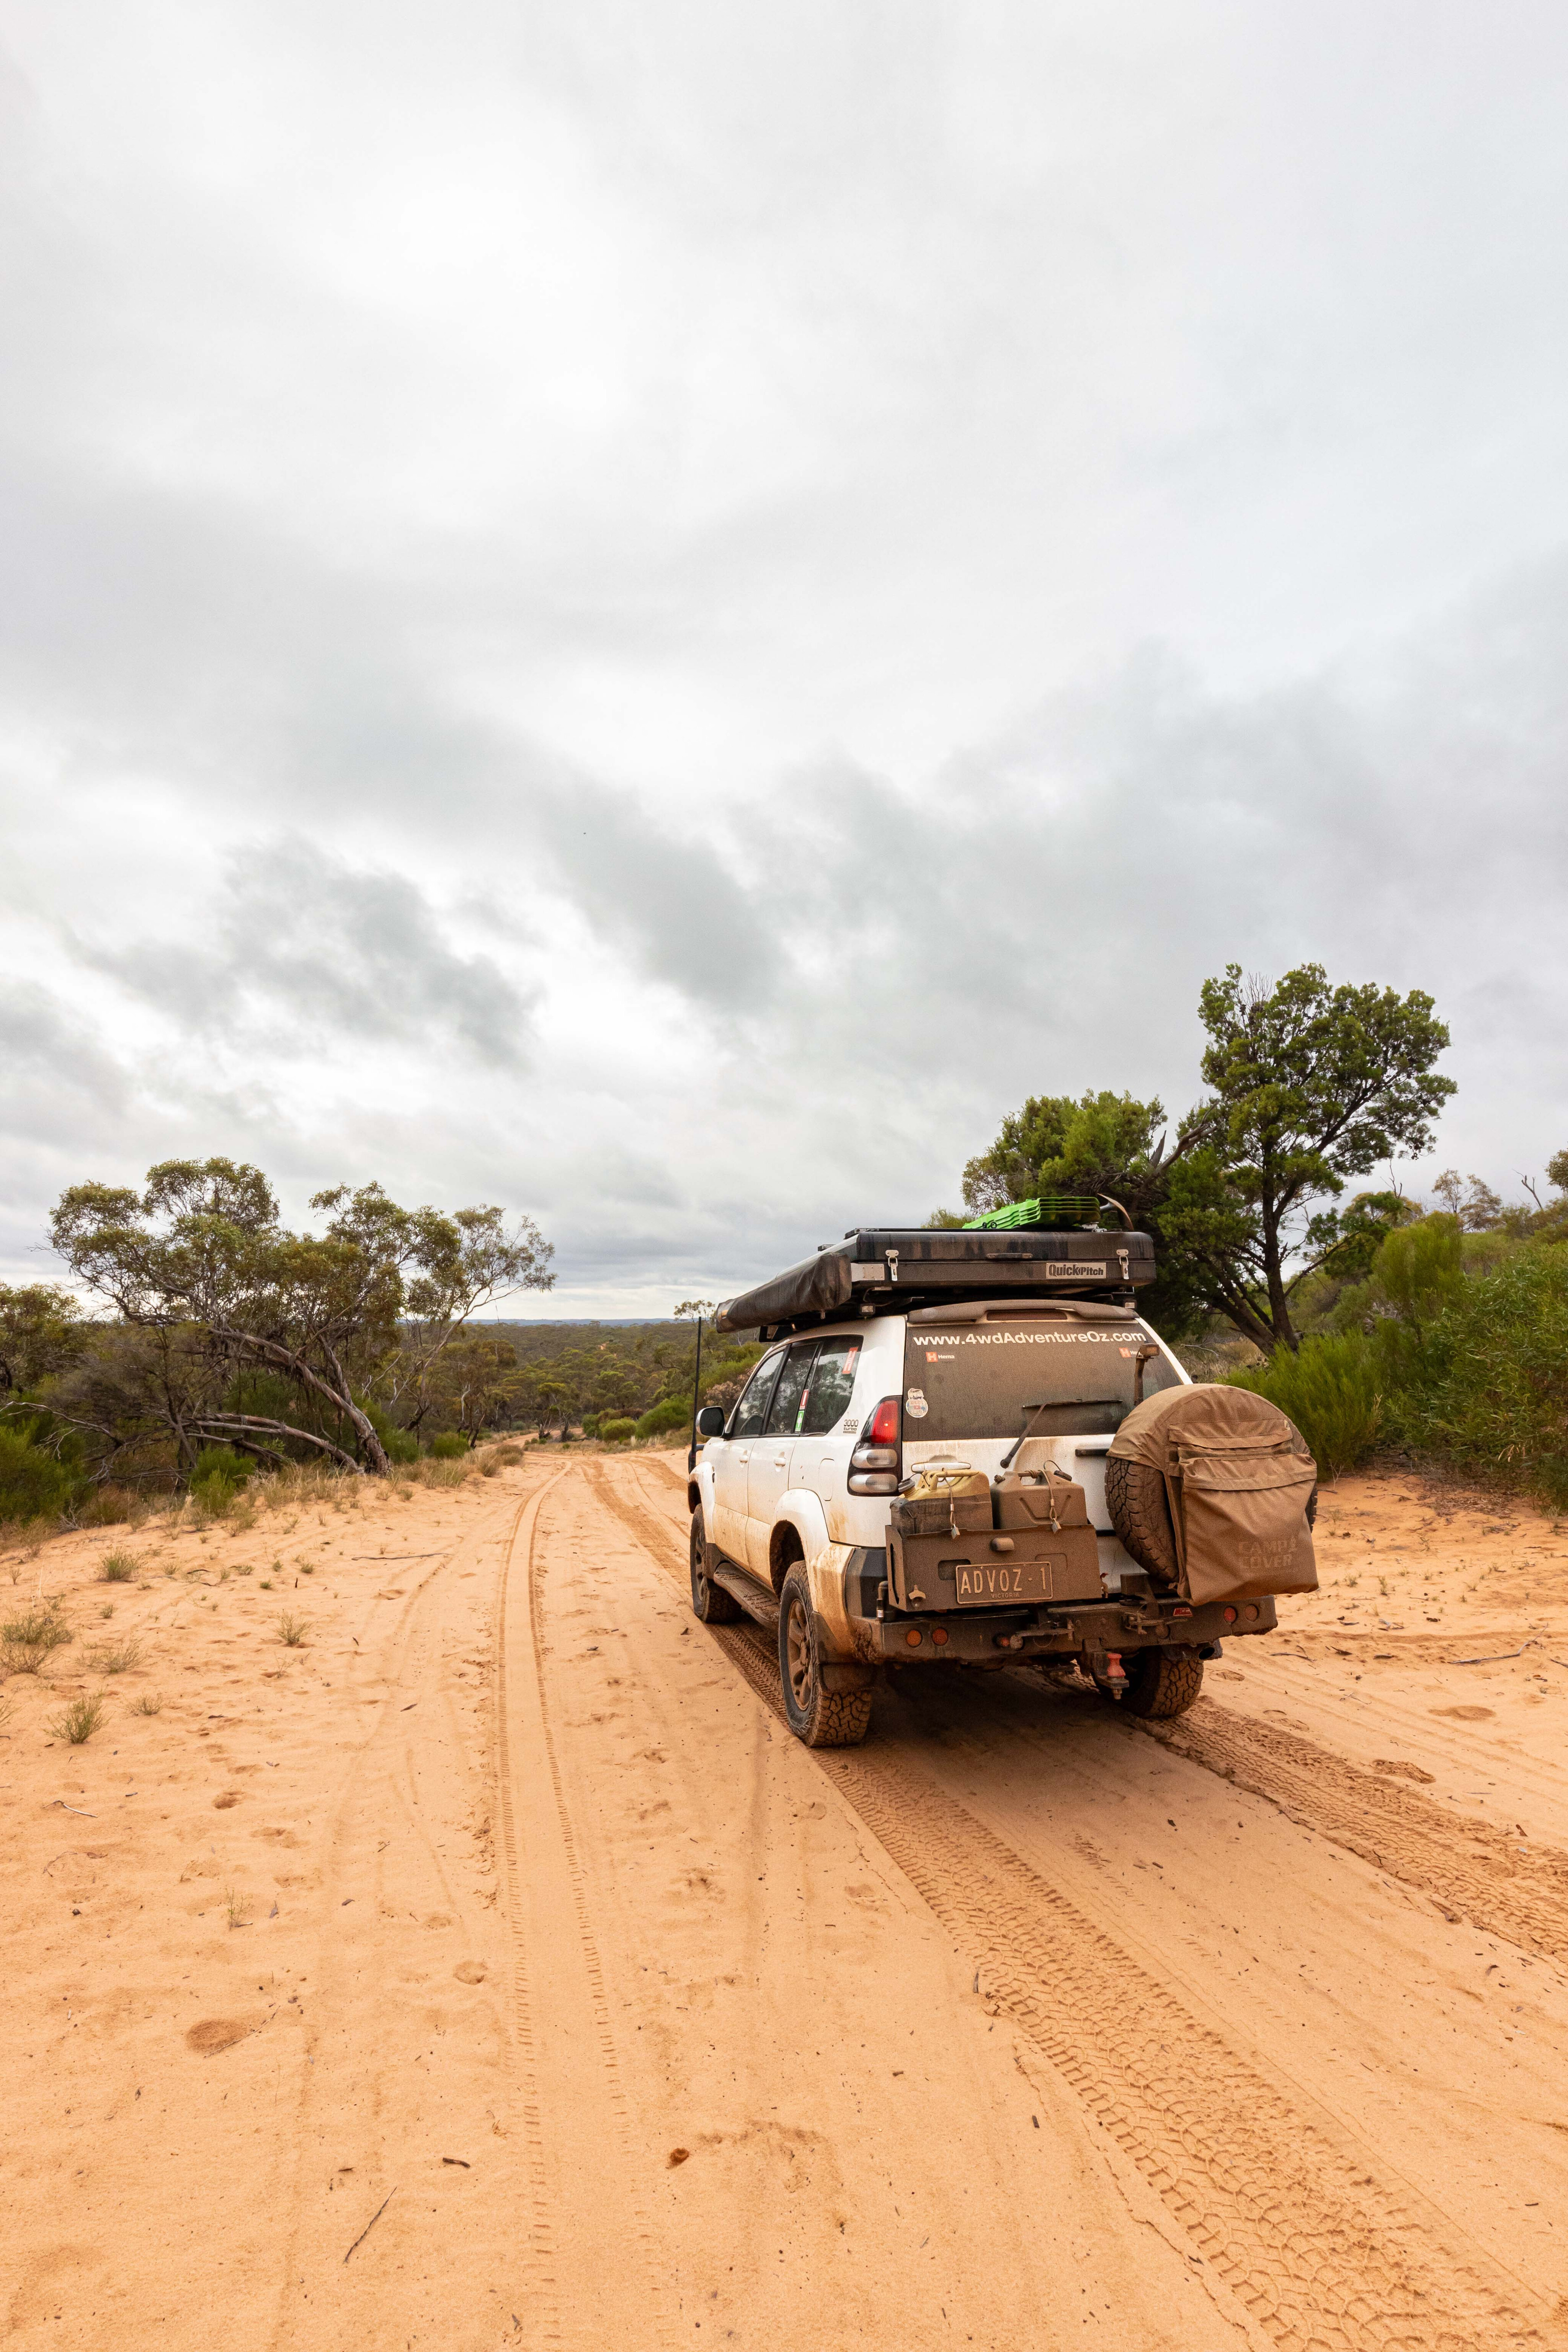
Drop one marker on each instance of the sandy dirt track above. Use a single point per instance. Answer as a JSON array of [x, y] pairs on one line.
[[495, 1968]]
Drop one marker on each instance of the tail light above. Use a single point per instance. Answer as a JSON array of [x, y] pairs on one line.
[[874, 1464]]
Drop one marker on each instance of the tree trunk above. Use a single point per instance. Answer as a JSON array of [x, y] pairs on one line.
[[1278, 1305], [273, 1351], [238, 1422], [1246, 1319]]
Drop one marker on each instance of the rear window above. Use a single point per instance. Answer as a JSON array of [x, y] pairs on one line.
[[832, 1386], [1058, 1380]]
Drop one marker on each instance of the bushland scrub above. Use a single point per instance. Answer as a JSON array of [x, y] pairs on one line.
[[1454, 1352], [221, 1345], [227, 1352]]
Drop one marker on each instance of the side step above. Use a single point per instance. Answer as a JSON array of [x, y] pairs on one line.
[[754, 1597]]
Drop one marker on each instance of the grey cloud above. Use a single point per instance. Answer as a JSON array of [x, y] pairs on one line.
[[305, 940], [48, 1048], [662, 897], [1042, 916]]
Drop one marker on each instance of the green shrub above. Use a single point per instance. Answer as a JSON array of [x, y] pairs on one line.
[[117, 1567], [218, 1474], [1493, 1391], [33, 1485], [1333, 1390], [614, 1430], [401, 1444], [671, 1412], [451, 1446]]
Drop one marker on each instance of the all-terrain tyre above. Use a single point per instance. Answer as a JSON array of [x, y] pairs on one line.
[[821, 1718], [709, 1601], [1162, 1682], [1141, 1514]]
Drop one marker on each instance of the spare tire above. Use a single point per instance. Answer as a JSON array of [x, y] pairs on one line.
[[1141, 1514]]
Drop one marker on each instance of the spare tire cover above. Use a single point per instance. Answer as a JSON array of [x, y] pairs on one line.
[[1238, 1475]]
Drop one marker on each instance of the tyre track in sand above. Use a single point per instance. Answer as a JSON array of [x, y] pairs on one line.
[[1312, 2246], [1473, 1870], [540, 2272], [571, 2168]]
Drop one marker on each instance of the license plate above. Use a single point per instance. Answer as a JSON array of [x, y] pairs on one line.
[[982, 1581]]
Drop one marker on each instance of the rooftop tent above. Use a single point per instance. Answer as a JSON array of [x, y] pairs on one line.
[[891, 1269]]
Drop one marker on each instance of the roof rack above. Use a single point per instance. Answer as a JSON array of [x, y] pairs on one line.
[[893, 1269]]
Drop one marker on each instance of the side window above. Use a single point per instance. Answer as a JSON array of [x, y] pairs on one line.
[[832, 1384], [783, 1414], [751, 1410]]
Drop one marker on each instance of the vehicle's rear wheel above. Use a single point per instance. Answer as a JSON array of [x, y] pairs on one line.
[[1162, 1682], [709, 1601], [821, 1718]]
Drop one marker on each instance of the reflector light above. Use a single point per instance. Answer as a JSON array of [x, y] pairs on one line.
[[913, 1637], [939, 1633], [1230, 1616]]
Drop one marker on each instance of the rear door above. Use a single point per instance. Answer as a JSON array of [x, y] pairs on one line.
[[823, 1462], [732, 1458], [774, 1451]]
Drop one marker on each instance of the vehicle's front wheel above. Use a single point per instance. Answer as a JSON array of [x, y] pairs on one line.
[[1162, 1682], [821, 1718], [709, 1601]]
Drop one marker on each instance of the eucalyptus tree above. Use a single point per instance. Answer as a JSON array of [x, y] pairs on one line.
[[347, 1318]]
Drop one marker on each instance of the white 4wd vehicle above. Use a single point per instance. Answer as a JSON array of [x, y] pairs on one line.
[[991, 1369]]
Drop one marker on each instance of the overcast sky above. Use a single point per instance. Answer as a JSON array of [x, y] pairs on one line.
[[654, 612]]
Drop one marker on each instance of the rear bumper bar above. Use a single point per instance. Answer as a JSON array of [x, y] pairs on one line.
[[1099, 1628]]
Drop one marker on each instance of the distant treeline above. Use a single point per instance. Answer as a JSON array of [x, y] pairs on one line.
[[614, 1380]]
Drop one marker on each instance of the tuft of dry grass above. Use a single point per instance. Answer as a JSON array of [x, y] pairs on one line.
[[117, 1660], [237, 1908], [26, 1641], [303, 1485], [293, 1630], [447, 1474], [117, 1567], [79, 1720], [150, 1702]]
